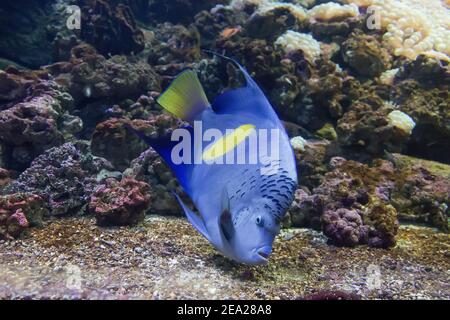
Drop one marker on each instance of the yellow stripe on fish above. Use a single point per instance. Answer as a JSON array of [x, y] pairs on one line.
[[227, 143]]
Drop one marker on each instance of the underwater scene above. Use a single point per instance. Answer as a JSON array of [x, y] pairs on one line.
[[225, 149]]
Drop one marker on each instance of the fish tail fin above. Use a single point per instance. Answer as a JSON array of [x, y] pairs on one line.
[[163, 146], [185, 97]]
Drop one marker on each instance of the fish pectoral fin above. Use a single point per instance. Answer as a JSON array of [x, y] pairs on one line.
[[226, 225], [193, 218], [185, 97], [226, 220], [225, 200]]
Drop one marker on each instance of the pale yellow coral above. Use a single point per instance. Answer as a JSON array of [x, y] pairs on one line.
[[264, 6], [412, 27], [333, 11], [388, 76], [401, 121], [295, 10], [298, 143], [292, 41]]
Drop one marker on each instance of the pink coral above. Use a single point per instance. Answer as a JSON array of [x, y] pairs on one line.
[[18, 212], [121, 203]]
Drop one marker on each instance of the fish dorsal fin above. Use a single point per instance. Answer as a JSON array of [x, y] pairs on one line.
[[225, 220], [248, 98], [248, 79], [193, 218], [164, 146], [185, 97]]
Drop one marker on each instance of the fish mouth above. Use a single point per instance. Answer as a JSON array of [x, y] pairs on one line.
[[264, 252]]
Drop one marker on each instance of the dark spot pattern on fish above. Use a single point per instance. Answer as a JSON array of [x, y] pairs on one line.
[[279, 189]]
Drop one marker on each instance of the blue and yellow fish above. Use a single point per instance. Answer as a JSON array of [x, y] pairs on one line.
[[241, 203]]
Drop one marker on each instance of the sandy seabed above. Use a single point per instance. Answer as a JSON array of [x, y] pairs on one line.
[[165, 258]]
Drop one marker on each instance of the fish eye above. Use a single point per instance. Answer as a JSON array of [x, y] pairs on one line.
[[259, 220]]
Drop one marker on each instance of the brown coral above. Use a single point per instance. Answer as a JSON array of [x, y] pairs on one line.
[[113, 141], [353, 203], [366, 128], [366, 55], [110, 28], [90, 75]]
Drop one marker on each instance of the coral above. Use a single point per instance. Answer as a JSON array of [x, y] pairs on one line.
[[334, 30], [271, 21], [292, 41], [367, 125], [327, 132], [311, 163], [353, 203], [212, 23], [263, 60], [358, 211], [91, 76], [173, 48], [383, 219], [388, 76], [63, 177], [110, 28], [304, 212], [120, 203], [149, 167], [5, 177], [113, 141], [240, 5], [298, 143], [401, 121], [326, 94], [427, 71], [422, 192], [15, 84], [18, 212], [365, 55], [333, 12], [412, 27], [297, 11], [422, 92], [39, 121], [345, 227]]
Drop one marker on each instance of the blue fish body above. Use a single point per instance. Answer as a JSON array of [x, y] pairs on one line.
[[241, 205]]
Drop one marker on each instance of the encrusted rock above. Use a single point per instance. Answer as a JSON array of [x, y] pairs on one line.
[[353, 204], [120, 203], [113, 141], [18, 212], [90, 75], [149, 167], [367, 127], [110, 28], [63, 177], [38, 121], [173, 48], [422, 193], [366, 55]]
